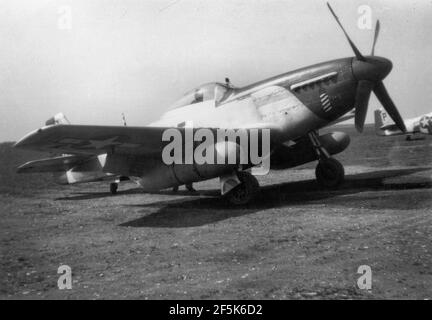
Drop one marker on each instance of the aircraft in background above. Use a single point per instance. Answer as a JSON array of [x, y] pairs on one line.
[[418, 125], [293, 106]]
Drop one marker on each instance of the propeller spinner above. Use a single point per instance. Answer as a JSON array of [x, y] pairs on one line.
[[370, 71]]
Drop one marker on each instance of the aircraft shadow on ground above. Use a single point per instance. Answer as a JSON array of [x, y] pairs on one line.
[[97, 195], [137, 190], [180, 213]]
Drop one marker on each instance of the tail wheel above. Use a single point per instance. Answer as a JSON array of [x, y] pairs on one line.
[[244, 192], [113, 188], [330, 173]]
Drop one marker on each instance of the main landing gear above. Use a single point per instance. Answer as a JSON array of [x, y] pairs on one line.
[[244, 192], [114, 185], [329, 172]]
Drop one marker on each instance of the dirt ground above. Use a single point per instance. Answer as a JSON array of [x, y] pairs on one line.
[[295, 241]]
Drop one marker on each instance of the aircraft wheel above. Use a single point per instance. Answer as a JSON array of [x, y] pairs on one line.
[[330, 173], [244, 192], [113, 188]]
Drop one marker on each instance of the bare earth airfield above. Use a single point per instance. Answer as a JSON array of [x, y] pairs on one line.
[[294, 242]]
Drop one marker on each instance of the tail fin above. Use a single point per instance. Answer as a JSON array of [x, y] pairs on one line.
[[59, 118], [382, 121], [384, 126]]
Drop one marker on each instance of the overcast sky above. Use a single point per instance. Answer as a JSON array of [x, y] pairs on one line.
[[137, 57]]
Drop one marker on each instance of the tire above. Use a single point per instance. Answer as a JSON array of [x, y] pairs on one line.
[[113, 188], [244, 192], [330, 173]]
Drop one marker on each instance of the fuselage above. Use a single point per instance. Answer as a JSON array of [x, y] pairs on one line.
[[298, 102]]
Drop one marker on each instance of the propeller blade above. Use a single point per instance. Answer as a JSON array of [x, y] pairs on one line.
[[383, 96], [357, 53], [377, 30], [363, 93]]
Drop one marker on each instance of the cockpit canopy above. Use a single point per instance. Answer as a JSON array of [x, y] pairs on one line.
[[206, 92]]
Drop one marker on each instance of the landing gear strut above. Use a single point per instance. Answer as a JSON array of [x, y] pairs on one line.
[[113, 187], [245, 191], [329, 172]]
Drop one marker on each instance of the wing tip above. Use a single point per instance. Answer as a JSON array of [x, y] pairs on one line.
[[27, 139]]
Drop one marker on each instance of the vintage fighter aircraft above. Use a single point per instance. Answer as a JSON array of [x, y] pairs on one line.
[[292, 105], [418, 125]]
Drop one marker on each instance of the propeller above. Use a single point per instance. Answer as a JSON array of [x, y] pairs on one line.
[[370, 71], [377, 29], [357, 52], [364, 90], [383, 96]]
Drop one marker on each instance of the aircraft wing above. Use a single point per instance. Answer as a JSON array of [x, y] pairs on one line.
[[56, 164], [95, 140]]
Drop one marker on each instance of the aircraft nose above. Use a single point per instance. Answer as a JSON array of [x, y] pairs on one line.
[[373, 69]]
